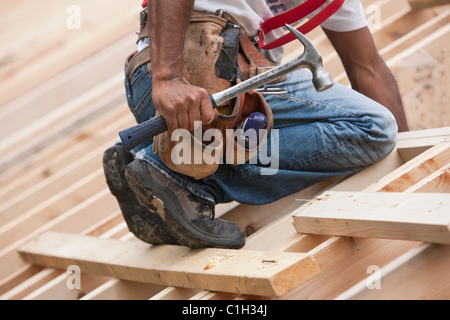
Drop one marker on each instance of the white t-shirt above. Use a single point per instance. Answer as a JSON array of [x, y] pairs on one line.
[[251, 14]]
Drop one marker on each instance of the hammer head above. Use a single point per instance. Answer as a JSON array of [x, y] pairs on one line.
[[313, 61]]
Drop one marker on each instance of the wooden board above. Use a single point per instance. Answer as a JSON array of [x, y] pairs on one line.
[[237, 271], [415, 170], [405, 216], [419, 274], [422, 4], [421, 72]]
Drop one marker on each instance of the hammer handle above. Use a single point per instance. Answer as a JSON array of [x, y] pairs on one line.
[[146, 130]]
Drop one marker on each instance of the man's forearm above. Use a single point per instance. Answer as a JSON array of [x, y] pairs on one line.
[[167, 22], [182, 105], [367, 71], [378, 83]]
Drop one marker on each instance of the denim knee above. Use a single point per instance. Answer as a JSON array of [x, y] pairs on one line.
[[384, 137]]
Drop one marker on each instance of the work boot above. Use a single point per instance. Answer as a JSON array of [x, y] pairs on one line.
[[144, 224], [189, 218]]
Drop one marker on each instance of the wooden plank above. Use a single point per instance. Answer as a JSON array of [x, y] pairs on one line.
[[93, 107], [54, 47], [343, 265], [419, 274], [422, 4], [123, 290], [241, 217], [437, 182], [237, 271], [415, 170], [424, 25], [34, 282], [108, 227], [53, 206], [78, 219], [55, 157], [436, 136], [171, 293], [32, 109], [417, 217], [421, 72], [68, 178]]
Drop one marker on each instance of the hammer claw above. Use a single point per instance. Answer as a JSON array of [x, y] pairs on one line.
[[298, 35], [313, 61]]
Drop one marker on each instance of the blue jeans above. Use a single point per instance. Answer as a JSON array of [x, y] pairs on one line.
[[320, 135]]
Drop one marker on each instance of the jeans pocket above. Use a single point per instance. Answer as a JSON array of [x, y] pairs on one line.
[[129, 96], [139, 94], [138, 73]]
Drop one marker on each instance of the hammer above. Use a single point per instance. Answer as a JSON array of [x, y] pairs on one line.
[[310, 59]]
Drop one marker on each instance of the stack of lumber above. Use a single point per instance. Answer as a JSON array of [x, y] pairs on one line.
[[62, 103]]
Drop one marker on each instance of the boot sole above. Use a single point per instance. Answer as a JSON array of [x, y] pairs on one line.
[[136, 217]]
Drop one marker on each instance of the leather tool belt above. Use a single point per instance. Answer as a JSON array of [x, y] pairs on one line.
[[218, 54]]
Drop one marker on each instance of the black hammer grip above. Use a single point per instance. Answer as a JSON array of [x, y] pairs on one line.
[[142, 132], [146, 130]]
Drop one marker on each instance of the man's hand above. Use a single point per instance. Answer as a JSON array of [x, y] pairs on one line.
[[181, 104]]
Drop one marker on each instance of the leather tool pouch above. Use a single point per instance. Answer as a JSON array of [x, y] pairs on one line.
[[218, 54]]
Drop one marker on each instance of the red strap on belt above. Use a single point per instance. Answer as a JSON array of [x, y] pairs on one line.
[[295, 15]]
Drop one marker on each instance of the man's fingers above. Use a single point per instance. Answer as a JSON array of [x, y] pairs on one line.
[[194, 115], [183, 119], [171, 121], [208, 113], [182, 105]]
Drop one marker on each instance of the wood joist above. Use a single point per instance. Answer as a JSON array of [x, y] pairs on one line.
[[421, 4]]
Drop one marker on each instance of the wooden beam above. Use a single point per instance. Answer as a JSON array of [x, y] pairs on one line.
[[422, 138], [80, 218], [415, 170], [420, 72], [342, 265], [411, 144], [419, 274], [236, 271], [123, 290], [422, 4], [437, 182], [405, 216], [58, 48]]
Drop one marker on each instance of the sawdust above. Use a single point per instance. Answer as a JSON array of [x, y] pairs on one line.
[[215, 260]]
